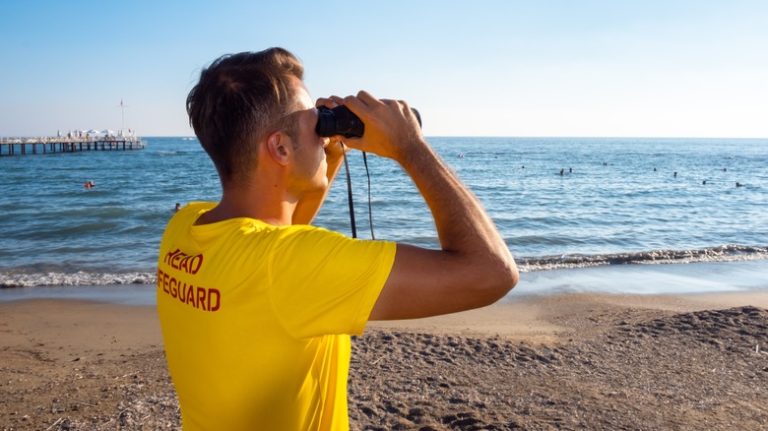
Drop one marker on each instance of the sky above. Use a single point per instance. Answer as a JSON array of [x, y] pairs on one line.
[[653, 68]]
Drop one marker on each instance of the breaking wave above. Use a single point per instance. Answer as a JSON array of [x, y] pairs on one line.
[[723, 253], [80, 278]]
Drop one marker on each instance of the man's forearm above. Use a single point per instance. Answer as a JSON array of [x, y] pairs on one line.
[[462, 225], [474, 267]]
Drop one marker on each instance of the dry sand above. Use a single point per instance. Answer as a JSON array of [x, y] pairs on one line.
[[609, 362]]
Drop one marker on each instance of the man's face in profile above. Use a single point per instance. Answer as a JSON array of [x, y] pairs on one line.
[[309, 165]]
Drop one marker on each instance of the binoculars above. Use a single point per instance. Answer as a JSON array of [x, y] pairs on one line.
[[341, 121]]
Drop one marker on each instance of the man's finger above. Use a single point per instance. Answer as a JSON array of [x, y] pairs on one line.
[[389, 102], [327, 102], [368, 99], [357, 106], [405, 108]]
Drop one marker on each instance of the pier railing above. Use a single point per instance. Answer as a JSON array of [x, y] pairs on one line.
[[43, 145]]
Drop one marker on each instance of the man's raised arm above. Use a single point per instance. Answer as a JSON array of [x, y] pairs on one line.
[[474, 267]]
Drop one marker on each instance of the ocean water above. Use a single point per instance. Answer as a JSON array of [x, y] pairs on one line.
[[617, 202]]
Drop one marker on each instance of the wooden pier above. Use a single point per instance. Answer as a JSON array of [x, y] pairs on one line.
[[45, 145]]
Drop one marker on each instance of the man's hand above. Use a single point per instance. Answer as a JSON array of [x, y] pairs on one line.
[[391, 128]]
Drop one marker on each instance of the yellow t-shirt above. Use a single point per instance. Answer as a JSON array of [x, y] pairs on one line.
[[256, 318]]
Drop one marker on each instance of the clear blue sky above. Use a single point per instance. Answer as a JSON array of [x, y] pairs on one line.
[[483, 68]]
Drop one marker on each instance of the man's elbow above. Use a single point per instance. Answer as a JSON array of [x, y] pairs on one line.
[[508, 276], [501, 277], [512, 276]]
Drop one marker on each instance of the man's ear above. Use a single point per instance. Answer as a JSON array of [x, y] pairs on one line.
[[279, 148]]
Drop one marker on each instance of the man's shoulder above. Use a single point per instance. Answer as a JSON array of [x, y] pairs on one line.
[[191, 210], [196, 207], [314, 242], [185, 217], [310, 235]]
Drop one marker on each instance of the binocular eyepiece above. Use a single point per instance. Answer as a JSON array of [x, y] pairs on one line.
[[341, 121]]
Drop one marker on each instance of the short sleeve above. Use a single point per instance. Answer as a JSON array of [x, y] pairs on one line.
[[325, 283]]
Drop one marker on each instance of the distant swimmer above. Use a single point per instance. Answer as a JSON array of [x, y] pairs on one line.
[[738, 184], [461, 155], [562, 171], [675, 175], [523, 166], [725, 169], [605, 163], [178, 207], [570, 170], [704, 183], [654, 169], [89, 185]]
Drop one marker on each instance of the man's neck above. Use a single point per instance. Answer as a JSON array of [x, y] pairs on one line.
[[266, 204]]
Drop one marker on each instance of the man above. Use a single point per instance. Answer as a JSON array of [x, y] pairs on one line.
[[256, 306]]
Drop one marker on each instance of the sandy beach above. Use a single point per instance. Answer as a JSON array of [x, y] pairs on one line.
[[576, 361]]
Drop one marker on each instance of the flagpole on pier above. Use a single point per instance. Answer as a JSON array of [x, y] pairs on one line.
[[122, 115]]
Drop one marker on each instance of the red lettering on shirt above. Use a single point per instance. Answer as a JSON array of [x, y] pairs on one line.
[[177, 259], [214, 306], [191, 297], [201, 298]]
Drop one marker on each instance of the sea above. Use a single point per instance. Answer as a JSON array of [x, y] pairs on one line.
[[615, 215]]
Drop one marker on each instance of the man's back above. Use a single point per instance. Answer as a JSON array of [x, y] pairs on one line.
[[254, 317]]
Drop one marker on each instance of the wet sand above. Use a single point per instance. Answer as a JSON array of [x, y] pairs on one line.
[[576, 361]]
